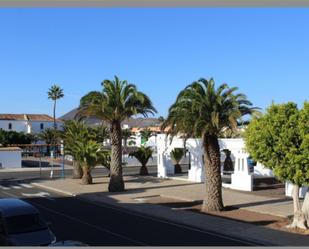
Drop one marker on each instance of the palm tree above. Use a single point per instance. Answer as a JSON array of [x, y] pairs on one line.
[[142, 154], [116, 102], [102, 133], [161, 119], [146, 134], [89, 154], [126, 134], [55, 93], [204, 111], [50, 137], [177, 154], [74, 131]]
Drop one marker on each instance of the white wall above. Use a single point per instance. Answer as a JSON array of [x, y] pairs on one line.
[[289, 190], [10, 158], [27, 126], [18, 126], [36, 126], [242, 178]]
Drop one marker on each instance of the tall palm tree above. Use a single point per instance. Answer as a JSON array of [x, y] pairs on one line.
[[118, 101], [202, 110], [55, 93]]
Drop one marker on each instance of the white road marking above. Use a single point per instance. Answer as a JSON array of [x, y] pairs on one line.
[[16, 187], [26, 185], [4, 188], [40, 194]]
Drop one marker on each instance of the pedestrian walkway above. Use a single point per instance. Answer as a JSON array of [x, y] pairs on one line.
[[14, 185], [144, 187]]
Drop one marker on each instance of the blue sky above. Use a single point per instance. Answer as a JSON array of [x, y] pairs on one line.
[[264, 52]]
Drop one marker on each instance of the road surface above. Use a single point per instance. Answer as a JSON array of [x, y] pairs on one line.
[[97, 225]]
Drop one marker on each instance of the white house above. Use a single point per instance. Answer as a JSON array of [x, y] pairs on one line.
[[10, 157], [27, 123]]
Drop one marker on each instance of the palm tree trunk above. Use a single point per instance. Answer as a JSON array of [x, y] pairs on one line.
[[213, 199], [178, 169], [87, 178], [77, 170], [144, 171], [55, 114], [116, 183]]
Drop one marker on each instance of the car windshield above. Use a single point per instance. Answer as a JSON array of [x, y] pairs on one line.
[[25, 223]]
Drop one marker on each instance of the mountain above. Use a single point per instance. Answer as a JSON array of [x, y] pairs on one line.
[[131, 122]]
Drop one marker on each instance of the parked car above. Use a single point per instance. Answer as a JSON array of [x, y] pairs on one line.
[[21, 224], [69, 243]]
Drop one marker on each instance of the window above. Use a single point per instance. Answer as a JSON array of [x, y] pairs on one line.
[[42, 126], [10, 126], [25, 223]]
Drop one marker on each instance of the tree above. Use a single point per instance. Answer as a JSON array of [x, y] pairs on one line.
[[161, 119], [50, 136], [74, 131], [89, 154], [177, 154], [142, 154], [146, 134], [13, 137], [204, 111], [117, 102], [228, 162], [126, 134], [55, 93], [102, 133], [280, 141]]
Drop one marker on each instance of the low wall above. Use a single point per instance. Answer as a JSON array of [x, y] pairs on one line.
[[10, 157], [242, 177]]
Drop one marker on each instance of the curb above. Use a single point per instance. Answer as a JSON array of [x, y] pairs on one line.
[[55, 189]]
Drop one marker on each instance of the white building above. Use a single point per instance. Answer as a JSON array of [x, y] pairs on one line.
[[10, 157], [241, 178], [27, 123]]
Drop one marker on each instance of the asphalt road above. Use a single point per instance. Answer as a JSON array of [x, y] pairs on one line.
[[96, 172], [96, 225]]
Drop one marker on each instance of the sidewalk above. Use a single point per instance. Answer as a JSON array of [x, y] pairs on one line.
[[138, 188]]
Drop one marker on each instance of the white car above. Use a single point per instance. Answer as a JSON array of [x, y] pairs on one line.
[[21, 224]]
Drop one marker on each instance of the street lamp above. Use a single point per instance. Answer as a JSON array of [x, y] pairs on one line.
[[187, 151]]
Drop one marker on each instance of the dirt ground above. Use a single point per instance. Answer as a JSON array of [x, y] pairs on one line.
[[242, 215]]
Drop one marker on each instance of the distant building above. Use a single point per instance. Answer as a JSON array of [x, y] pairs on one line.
[[27, 123]]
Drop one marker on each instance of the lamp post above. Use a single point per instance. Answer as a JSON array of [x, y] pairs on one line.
[[52, 169], [187, 151], [63, 157]]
